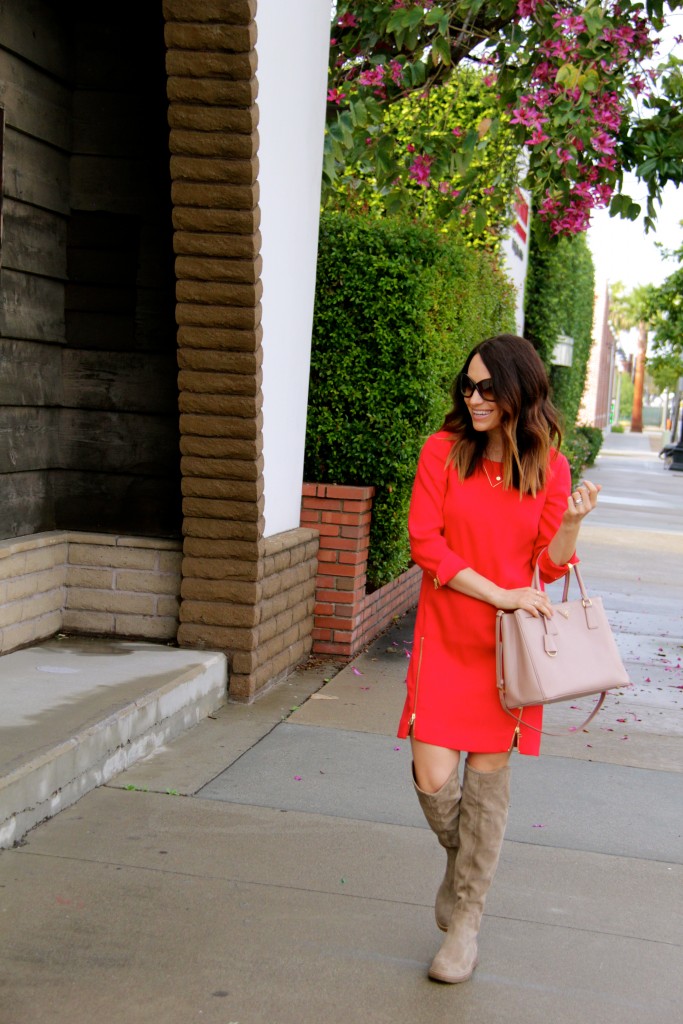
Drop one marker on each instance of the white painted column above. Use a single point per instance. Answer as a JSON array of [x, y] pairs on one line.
[[292, 48]]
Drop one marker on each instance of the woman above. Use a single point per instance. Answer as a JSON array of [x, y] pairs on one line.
[[492, 496]]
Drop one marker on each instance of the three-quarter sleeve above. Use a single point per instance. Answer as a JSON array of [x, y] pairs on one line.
[[426, 524], [558, 488]]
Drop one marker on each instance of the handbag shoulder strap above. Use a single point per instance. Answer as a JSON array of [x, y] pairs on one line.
[[546, 732]]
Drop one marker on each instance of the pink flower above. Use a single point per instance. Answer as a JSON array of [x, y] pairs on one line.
[[489, 191], [373, 77], [348, 21], [458, 132], [550, 205], [444, 187], [335, 96], [419, 170], [569, 23], [396, 72], [527, 8], [538, 137], [564, 156], [603, 143], [638, 83], [604, 193]]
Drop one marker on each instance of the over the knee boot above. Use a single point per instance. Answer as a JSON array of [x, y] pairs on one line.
[[441, 809], [483, 816]]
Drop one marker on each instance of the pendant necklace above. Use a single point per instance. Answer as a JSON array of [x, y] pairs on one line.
[[499, 479]]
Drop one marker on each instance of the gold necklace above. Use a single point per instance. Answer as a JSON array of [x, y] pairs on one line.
[[499, 479]]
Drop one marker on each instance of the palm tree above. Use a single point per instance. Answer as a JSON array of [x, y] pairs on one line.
[[628, 310]]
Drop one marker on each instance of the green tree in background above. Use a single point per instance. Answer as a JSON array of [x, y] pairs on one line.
[[629, 310]]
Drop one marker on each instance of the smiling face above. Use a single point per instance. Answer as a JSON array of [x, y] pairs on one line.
[[486, 414]]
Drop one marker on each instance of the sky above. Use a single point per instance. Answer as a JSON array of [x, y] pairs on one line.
[[621, 249], [623, 252]]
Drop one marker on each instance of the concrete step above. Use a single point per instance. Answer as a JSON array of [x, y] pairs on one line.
[[76, 711]]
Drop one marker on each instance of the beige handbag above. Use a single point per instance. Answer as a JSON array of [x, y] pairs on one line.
[[573, 654]]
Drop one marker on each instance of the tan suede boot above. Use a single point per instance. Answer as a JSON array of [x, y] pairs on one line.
[[442, 809], [483, 816]]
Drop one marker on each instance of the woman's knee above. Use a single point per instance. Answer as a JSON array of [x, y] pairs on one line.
[[433, 765], [488, 762]]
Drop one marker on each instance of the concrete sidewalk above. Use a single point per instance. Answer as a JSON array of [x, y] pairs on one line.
[[272, 865]]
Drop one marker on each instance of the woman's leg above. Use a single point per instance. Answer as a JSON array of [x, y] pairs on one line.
[[433, 765], [481, 827], [437, 785], [488, 762]]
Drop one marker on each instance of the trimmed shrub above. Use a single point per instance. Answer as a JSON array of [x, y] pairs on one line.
[[577, 449], [398, 307], [594, 437]]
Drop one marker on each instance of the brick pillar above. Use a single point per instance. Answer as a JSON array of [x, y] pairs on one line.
[[342, 517], [240, 592]]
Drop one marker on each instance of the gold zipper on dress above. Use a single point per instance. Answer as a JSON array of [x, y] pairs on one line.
[[417, 683], [514, 742]]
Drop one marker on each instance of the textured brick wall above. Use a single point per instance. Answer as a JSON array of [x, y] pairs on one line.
[[122, 586], [87, 583], [346, 617], [32, 588], [242, 593]]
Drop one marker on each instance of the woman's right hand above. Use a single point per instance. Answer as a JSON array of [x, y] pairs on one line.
[[536, 602]]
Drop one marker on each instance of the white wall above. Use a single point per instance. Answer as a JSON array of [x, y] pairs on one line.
[[292, 47]]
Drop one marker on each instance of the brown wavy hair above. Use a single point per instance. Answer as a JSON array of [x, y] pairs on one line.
[[529, 423]]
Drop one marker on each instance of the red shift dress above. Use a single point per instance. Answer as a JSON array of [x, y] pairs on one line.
[[452, 698]]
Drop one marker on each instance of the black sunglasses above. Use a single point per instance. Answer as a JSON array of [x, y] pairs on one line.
[[484, 387]]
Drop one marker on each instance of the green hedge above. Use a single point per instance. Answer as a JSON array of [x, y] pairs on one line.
[[559, 300], [397, 309]]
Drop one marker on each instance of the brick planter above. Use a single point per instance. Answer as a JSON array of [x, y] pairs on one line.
[[345, 616]]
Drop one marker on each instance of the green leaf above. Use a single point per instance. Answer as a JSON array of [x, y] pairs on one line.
[[393, 202], [442, 49], [591, 81], [385, 153], [398, 20], [414, 17], [594, 18], [436, 14], [568, 76], [359, 113], [479, 221], [373, 108]]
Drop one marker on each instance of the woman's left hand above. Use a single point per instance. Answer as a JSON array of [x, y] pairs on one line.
[[581, 501]]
